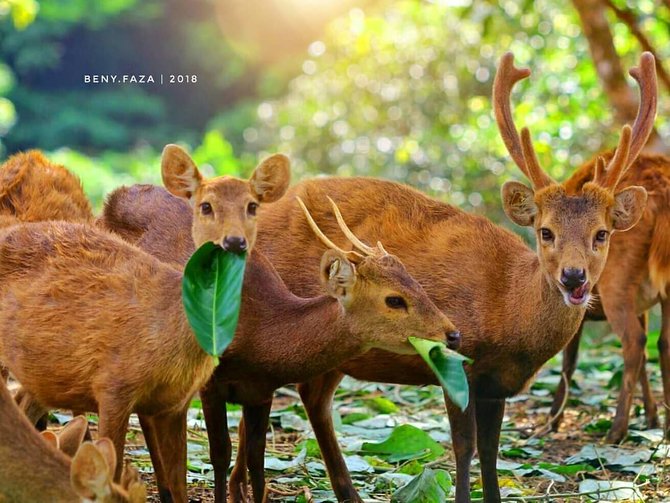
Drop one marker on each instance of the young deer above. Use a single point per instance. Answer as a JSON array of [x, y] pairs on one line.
[[515, 307], [636, 277], [371, 301], [34, 189], [129, 346], [33, 469]]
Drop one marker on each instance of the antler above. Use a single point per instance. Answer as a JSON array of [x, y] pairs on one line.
[[367, 250], [633, 141], [521, 149]]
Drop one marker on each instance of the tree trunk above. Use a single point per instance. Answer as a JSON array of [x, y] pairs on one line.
[[608, 65]]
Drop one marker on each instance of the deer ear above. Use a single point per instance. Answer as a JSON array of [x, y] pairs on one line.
[[271, 177], [90, 475], [50, 438], [338, 274], [629, 204], [180, 174], [72, 435], [519, 203]]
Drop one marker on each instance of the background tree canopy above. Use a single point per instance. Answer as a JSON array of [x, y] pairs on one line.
[[399, 89]]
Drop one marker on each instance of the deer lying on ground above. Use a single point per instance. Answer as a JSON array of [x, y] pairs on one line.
[[128, 345], [636, 277], [516, 308], [371, 302], [33, 469]]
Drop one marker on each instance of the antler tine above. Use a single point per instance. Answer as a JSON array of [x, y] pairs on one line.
[[324, 239], [645, 76], [368, 250], [536, 174], [619, 162], [599, 171], [506, 76]]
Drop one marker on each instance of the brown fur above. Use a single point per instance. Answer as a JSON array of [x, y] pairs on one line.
[[34, 189], [635, 278], [106, 295], [282, 338], [32, 468]]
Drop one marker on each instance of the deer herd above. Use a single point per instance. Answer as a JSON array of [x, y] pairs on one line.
[[91, 314]]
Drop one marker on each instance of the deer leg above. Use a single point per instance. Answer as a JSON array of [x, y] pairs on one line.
[[170, 435], [664, 354], [634, 340], [113, 424], [489, 420], [35, 413], [256, 420], [463, 431], [317, 397], [569, 365], [149, 431], [650, 409], [238, 477], [220, 449]]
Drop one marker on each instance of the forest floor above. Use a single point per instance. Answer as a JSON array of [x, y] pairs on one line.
[[571, 465]]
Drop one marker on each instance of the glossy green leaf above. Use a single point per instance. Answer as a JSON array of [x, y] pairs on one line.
[[212, 295], [448, 367], [430, 486], [405, 442]]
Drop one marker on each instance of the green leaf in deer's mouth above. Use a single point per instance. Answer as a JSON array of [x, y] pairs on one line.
[[448, 367], [212, 295]]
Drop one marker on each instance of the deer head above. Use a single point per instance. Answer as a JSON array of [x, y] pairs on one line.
[[224, 208], [573, 231], [384, 304]]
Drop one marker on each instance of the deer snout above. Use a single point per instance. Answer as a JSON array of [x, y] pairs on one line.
[[572, 278], [454, 339], [234, 244]]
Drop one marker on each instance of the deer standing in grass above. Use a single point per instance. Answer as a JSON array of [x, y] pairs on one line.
[[636, 277], [91, 323], [32, 468], [515, 307]]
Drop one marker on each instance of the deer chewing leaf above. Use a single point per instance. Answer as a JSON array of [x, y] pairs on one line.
[[212, 295], [447, 365]]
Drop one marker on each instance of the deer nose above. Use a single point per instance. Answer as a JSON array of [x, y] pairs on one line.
[[234, 244], [573, 278], [454, 339]]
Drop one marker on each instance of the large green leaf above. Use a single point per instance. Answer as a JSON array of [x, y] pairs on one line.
[[430, 486], [405, 442], [448, 367], [212, 294]]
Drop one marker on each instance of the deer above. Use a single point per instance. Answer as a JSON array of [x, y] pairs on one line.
[[129, 347], [32, 189], [515, 307], [36, 467], [370, 301], [635, 278]]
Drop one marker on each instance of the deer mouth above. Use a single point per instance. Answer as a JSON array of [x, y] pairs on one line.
[[578, 296]]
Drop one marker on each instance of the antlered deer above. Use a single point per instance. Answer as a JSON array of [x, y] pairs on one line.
[[128, 346], [371, 302], [636, 277], [33, 469]]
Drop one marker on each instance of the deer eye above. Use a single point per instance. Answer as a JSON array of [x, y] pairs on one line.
[[396, 302], [206, 209], [601, 237], [251, 209], [547, 235]]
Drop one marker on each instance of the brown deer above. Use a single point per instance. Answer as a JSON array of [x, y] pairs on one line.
[[371, 302], [33, 469], [516, 308], [636, 277], [128, 346], [34, 189]]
